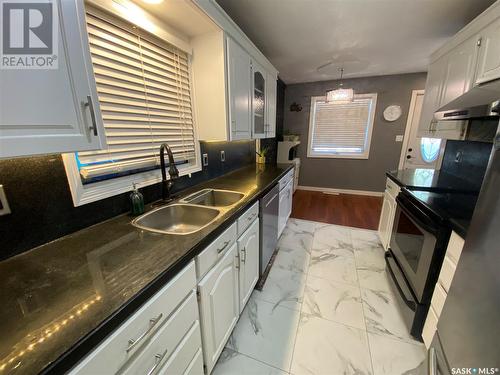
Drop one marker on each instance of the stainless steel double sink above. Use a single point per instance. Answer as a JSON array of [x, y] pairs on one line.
[[191, 214]]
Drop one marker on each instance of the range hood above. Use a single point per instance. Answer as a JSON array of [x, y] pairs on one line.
[[479, 102]]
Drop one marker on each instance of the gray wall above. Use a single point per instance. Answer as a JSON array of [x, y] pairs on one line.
[[356, 174]]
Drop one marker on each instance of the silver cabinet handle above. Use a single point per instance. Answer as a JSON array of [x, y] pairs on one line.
[[251, 217], [432, 362], [90, 104], [243, 255], [220, 250], [158, 359], [132, 343]]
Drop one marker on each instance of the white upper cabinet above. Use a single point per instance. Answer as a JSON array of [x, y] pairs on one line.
[[432, 97], [488, 67], [239, 84], [449, 77], [471, 57], [53, 110], [459, 72], [271, 97], [259, 104]]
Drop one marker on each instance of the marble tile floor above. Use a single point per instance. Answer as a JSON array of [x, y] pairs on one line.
[[326, 309]]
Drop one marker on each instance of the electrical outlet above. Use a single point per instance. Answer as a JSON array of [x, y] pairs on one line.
[[399, 138], [4, 204], [204, 159], [222, 156]]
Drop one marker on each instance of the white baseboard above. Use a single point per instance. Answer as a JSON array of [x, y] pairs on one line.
[[342, 191]]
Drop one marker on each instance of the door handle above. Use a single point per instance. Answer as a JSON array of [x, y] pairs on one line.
[[90, 104], [243, 255], [220, 250], [132, 343], [158, 358]]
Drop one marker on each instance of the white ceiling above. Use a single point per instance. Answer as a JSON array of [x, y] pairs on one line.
[[367, 37]]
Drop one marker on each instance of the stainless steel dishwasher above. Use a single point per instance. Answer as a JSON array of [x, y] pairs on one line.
[[268, 214]]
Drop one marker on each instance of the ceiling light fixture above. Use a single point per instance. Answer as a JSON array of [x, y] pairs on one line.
[[340, 95], [153, 1]]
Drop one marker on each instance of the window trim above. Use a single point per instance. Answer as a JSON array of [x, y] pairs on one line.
[[366, 154], [84, 194]]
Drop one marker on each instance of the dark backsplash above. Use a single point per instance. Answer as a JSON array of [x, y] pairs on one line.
[[467, 160], [42, 207]]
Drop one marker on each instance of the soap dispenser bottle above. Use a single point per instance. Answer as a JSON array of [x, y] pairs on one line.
[[136, 201]]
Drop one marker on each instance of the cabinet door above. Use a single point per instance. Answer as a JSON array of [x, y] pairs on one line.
[[259, 105], [239, 86], [488, 67], [219, 306], [459, 72], [383, 226], [50, 110], [248, 246], [432, 97], [271, 105]]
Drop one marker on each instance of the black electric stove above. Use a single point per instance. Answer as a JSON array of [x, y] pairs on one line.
[[422, 225]]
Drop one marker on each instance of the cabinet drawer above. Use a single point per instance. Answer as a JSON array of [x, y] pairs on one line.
[[208, 257], [165, 343], [247, 218], [196, 365], [392, 188], [447, 272], [430, 327], [180, 361], [116, 350], [438, 298], [455, 246]]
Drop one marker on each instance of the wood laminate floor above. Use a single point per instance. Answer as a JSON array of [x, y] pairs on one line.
[[359, 211]]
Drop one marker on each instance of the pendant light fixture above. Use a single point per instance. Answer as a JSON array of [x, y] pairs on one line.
[[340, 95]]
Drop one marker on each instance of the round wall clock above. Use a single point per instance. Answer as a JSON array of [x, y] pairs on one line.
[[392, 113]]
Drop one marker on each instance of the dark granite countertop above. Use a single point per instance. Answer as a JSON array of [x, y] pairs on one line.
[[431, 180], [61, 299]]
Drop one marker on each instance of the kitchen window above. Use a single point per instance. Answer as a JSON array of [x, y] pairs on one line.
[[341, 130], [144, 89]]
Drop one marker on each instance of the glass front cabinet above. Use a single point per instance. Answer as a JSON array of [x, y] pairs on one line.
[[259, 107]]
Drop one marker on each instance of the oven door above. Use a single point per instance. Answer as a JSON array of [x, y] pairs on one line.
[[413, 242]]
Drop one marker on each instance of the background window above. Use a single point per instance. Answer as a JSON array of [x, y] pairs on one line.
[[429, 148], [145, 99], [341, 130]]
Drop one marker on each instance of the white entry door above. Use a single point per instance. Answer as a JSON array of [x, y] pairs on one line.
[[418, 152]]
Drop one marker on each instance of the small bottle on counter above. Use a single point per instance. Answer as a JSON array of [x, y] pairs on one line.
[[137, 201]]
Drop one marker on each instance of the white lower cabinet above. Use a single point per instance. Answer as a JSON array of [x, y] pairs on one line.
[[453, 252], [188, 357], [150, 336], [181, 326], [248, 247], [219, 305], [388, 212]]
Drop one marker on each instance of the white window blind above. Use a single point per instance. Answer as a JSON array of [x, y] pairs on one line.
[[145, 99], [341, 130]]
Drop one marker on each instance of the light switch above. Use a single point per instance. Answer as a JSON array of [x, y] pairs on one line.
[[399, 138], [204, 158]]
